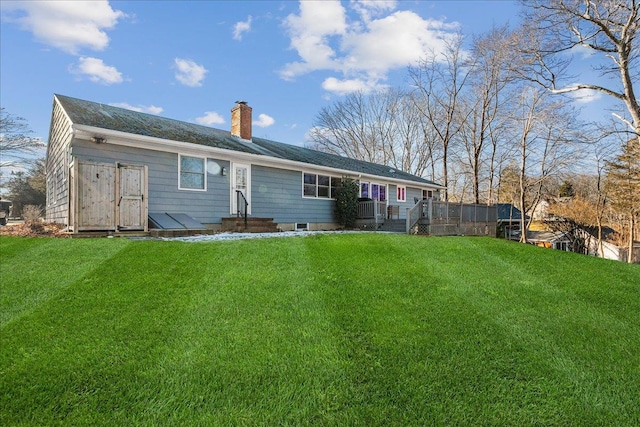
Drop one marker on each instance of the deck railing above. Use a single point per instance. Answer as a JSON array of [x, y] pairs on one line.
[[420, 210], [445, 218], [372, 209]]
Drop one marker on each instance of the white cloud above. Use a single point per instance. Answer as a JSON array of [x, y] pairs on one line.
[[343, 87], [363, 43], [150, 109], [585, 96], [189, 73], [310, 32], [394, 41], [582, 51], [366, 8], [66, 25], [264, 121], [210, 118], [97, 71], [241, 27]]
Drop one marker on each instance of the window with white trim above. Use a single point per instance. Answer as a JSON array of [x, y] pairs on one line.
[[320, 186], [401, 195], [427, 194], [192, 174], [324, 186], [374, 191], [364, 189]]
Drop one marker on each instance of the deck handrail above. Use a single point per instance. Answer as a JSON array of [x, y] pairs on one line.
[[371, 209], [415, 213], [240, 197]]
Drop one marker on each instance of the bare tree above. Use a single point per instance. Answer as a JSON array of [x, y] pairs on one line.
[[439, 80], [414, 150], [623, 182], [601, 196], [607, 28], [381, 127], [486, 104], [15, 143], [545, 131], [350, 128]]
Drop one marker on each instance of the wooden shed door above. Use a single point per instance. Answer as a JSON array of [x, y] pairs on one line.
[[95, 196], [131, 208]]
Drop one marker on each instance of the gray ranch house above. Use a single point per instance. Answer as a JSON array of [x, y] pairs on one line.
[[116, 170]]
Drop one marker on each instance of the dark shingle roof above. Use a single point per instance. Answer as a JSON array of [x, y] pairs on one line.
[[119, 119], [506, 211]]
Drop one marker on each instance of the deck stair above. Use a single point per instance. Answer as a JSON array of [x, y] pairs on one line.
[[254, 225], [394, 226]]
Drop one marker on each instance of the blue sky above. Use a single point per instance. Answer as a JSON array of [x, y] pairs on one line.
[[191, 60]]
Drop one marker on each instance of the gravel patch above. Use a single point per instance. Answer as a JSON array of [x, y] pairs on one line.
[[240, 236]]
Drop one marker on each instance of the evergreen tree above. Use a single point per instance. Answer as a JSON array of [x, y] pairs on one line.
[[566, 189], [28, 188], [623, 181], [347, 203]]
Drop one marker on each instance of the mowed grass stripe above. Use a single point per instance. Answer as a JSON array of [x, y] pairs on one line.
[[552, 314], [427, 373], [88, 345], [370, 329], [32, 271], [255, 344], [470, 304]]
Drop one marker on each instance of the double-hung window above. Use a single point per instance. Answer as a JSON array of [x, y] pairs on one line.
[[320, 186], [310, 181], [324, 186], [192, 173]]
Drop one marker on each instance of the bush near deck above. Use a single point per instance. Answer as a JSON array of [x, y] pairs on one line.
[[355, 329]]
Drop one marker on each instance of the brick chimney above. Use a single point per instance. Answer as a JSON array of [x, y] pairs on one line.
[[241, 120]]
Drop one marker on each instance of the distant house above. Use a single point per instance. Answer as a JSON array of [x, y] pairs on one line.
[[550, 239], [581, 241], [541, 211], [509, 218], [609, 249], [111, 169]]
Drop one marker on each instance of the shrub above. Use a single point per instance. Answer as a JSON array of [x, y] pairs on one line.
[[32, 214], [347, 203]]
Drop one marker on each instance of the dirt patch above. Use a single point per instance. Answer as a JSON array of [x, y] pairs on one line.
[[34, 229]]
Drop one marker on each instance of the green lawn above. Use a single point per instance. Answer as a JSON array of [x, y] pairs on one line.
[[354, 329]]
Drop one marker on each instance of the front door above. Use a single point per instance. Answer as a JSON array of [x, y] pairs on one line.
[[240, 181], [132, 187]]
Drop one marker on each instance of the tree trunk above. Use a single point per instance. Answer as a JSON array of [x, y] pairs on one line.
[[632, 225]]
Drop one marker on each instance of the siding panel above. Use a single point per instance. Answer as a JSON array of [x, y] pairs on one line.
[[207, 207], [277, 193], [57, 167]]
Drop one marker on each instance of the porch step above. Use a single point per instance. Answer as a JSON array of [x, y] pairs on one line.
[[254, 225], [394, 225]]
